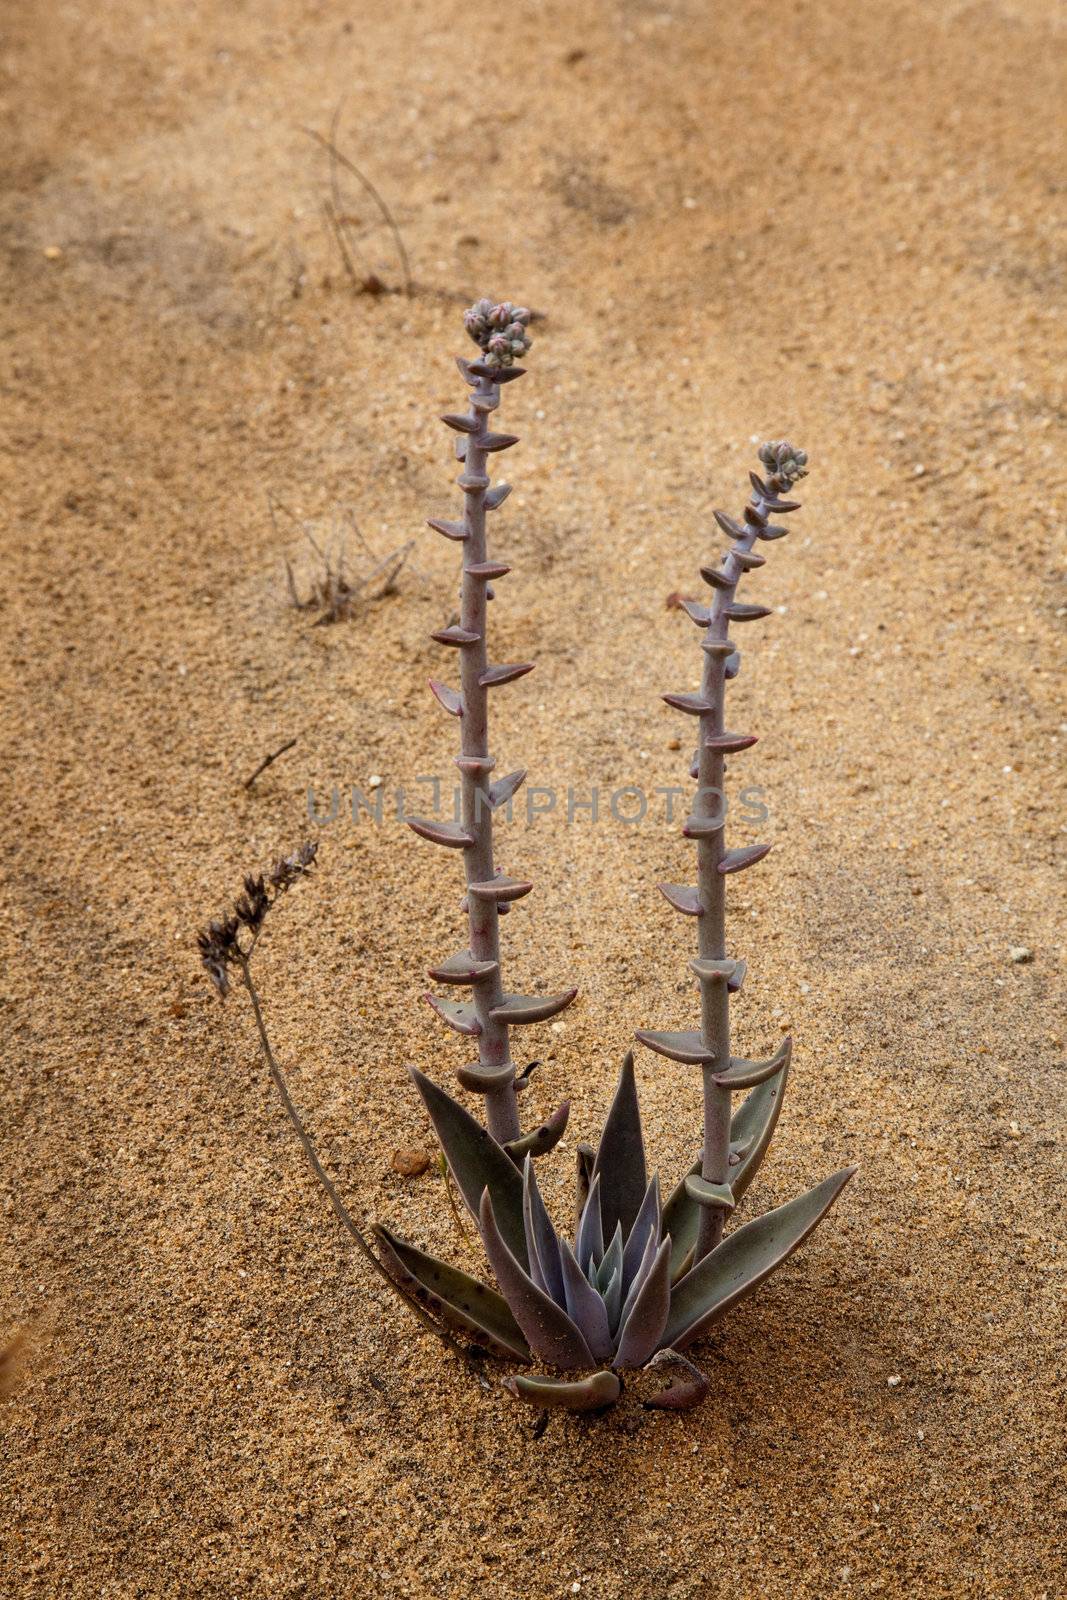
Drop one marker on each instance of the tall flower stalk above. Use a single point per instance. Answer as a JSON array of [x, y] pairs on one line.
[[501, 332], [720, 976]]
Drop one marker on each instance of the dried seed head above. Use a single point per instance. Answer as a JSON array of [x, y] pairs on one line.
[[500, 330], [784, 461], [290, 869], [219, 950], [220, 947]]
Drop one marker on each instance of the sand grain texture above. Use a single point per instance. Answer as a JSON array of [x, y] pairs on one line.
[[839, 223]]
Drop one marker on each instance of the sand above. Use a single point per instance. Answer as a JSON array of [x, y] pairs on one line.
[[838, 223]]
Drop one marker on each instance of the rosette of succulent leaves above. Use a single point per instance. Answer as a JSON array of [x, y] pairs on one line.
[[643, 1278]]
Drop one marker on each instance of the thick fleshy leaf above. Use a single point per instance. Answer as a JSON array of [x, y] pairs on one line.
[[542, 1243], [742, 1074], [751, 1128], [612, 1260], [539, 1141], [620, 1160], [646, 1226], [476, 1161], [594, 1393], [459, 1300], [644, 1267], [585, 1305], [589, 1243], [550, 1332], [744, 1260], [647, 1316], [613, 1298]]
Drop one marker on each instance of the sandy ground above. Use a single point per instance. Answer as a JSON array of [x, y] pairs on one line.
[[836, 222]]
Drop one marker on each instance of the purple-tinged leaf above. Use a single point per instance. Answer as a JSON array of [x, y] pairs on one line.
[[611, 1262], [465, 372], [500, 889], [487, 570], [498, 441], [709, 971], [462, 968], [728, 743], [496, 375], [497, 495], [459, 1016], [703, 827], [732, 666], [749, 559], [595, 1393], [585, 1305], [780, 507], [459, 449], [542, 1243], [688, 1047], [694, 704], [549, 1331], [517, 1009], [459, 1300], [755, 517], [612, 1293], [449, 834], [742, 1074], [451, 699], [678, 1396], [501, 791], [455, 636], [716, 1196], [717, 578], [773, 531], [492, 676], [682, 898], [760, 487], [697, 613], [747, 856], [475, 765], [646, 1226], [460, 422], [737, 978], [731, 528], [473, 482], [752, 1128], [744, 1259], [483, 1080], [743, 613], [620, 1160], [718, 649], [539, 1141], [476, 1161], [589, 1242], [647, 1316], [451, 530]]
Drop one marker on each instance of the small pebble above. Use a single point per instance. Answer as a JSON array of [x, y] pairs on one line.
[[374, 781], [1019, 954], [52, 252], [410, 1163], [893, 1382]]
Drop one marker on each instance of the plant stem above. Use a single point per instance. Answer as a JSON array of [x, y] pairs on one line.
[[501, 1105], [341, 1210], [711, 926]]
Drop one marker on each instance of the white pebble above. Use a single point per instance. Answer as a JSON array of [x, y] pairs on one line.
[[894, 1381]]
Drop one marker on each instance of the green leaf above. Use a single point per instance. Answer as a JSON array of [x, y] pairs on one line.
[[451, 1294], [594, 1393], [752, 1125], [477, 1162], [744, 1260], [620, 1160]]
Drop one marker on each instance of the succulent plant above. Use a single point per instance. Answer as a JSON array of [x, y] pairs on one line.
[[642, 1280], [491, 1012]]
